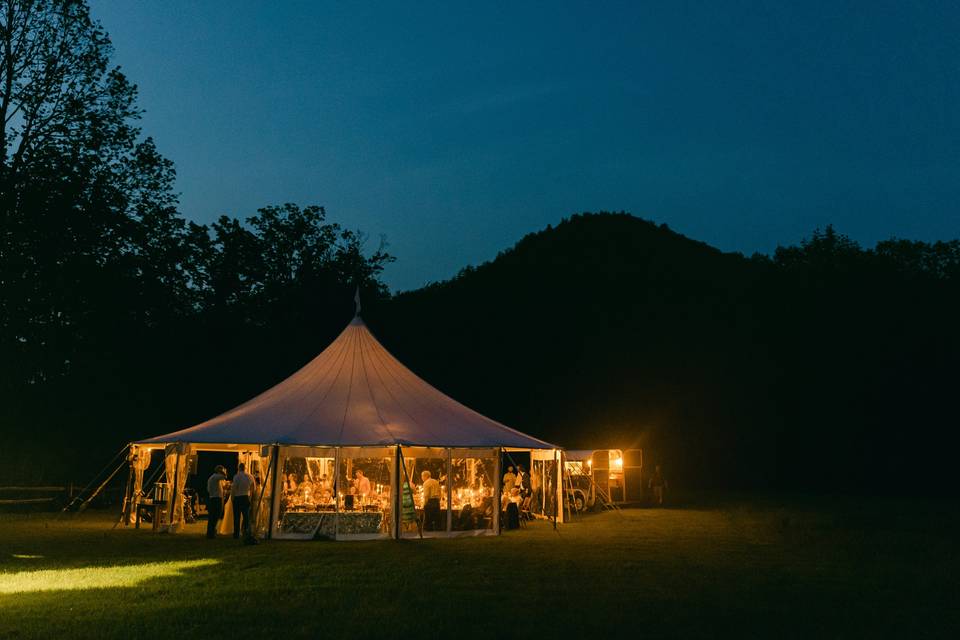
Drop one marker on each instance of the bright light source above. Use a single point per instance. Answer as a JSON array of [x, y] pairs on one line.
[[617, 463], [94, 577]]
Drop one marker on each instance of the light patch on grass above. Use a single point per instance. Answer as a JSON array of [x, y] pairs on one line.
[[25, 556], [94, 577]]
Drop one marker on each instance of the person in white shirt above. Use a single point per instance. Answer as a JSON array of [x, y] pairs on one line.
[[240, 494], [363, 485], [431, 503], [215, 499]]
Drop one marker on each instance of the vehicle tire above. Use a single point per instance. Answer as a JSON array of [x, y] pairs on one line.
[[579, 501]]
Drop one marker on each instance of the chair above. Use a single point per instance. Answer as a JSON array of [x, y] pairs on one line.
[[525, 511]]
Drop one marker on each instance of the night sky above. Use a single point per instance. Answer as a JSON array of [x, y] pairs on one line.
[[454, 131]]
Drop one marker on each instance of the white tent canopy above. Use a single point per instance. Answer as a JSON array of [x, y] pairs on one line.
[[354, 393], [341, 445]]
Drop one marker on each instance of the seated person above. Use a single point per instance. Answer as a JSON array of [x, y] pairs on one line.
[[512, 515], [326, 497], [467, 519], [305, 490], [290, 484], [350, 501], [513, 496]]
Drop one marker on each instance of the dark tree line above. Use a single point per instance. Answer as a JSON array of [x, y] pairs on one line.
[[118, 316], [824, 366]]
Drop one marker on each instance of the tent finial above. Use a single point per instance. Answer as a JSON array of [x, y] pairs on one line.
[[356, 301]]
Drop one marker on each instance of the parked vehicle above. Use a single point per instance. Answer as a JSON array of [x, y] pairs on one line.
[[602, 477]]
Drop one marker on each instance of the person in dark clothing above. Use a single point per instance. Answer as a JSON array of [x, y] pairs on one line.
[[523, 481], [215, 499], [432, 518], [240, 490], [658, 484]]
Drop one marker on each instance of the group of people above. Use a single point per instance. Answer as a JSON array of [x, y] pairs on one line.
[[241, 490], [319, 491], [516, 496], [359, 491]]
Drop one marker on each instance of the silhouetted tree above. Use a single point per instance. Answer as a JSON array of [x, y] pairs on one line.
[[88, 213], [111, 303]]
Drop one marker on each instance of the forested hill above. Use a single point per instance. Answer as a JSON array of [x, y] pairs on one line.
[[825, 365]]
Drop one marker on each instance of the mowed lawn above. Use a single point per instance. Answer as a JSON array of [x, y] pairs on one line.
[[736, 567]]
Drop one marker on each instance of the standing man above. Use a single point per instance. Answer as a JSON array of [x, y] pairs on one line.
[[509, 480], [363, 486], [523, 481], [658, 484], [431, 502], [215, 499], [240, 494]]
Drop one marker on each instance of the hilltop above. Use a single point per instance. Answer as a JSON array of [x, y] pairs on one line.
[[608, 330]]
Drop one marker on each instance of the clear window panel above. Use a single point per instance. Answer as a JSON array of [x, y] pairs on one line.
[[424, 480], [472, 495], [306, 493], [549, 501], [262, 490], [539, 495], [365, 492]]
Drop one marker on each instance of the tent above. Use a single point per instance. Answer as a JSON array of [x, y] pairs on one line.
[[343, 449]]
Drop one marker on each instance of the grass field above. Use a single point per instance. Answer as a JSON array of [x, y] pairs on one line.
[[743, 568]]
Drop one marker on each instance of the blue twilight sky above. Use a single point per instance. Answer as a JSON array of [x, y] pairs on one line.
[[455, 129]]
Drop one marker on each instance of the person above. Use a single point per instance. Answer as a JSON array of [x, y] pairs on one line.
[[326, 498], [513, 509], [431, 502], [509, 480], [240, 495], [215, 499], [658, 484], [523, 481], [363, 485], [290, 485], [306, 490]]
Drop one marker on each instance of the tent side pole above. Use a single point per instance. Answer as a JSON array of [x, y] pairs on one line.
[[127, 493], [397, 494], [172, 510], [337, 489], [266, 480], [274, 505], [497, 489], [558, 509], [449, 490]]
